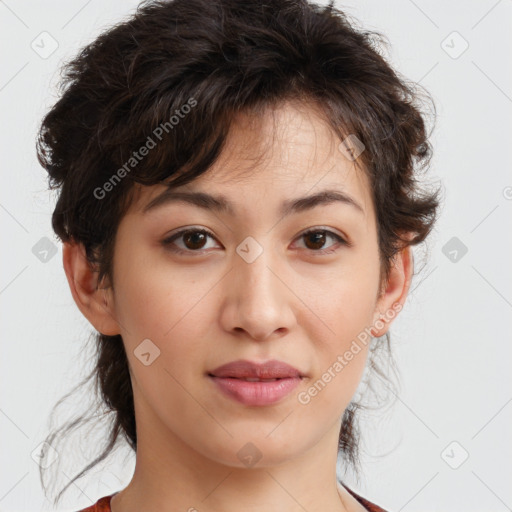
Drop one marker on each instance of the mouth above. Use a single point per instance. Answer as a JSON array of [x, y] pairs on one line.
[[252, 379], [256, 384], [255, 371], [253, 391]]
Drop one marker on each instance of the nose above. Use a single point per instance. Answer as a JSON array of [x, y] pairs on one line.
[[259, 301]]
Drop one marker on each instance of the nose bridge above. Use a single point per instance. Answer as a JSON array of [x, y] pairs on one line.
[[254, 264], [258, 292]]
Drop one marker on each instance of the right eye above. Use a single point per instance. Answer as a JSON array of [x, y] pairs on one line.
[[194, 238]]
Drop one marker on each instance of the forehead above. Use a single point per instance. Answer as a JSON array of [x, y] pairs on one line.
[[286, 151]]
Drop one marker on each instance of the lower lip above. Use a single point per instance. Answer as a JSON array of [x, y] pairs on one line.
[[256, 393]]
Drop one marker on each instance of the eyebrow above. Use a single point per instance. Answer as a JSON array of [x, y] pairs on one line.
[[220, 204]]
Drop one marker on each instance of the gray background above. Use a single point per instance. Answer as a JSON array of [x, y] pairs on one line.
[[452, 342]]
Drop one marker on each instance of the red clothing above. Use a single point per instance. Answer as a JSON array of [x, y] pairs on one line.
[[103, 504]]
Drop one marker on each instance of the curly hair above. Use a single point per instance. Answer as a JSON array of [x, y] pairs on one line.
[[220, 58]]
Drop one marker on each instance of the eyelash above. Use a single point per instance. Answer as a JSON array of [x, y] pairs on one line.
[[169, 241]]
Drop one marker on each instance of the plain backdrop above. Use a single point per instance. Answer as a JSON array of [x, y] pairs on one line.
[[445, 444]]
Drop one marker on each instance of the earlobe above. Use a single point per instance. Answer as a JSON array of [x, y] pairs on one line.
[[95, 303], [394, 295]]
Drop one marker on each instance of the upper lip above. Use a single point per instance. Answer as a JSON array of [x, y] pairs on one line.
[[242, 368]]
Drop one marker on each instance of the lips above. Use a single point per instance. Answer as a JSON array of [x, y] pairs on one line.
[[254, 372], [256, 384]]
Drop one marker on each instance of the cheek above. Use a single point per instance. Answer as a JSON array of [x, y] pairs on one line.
[[340, 355], [152, 301], [344, 299], [341, 333], [351, 308], [169, 309]]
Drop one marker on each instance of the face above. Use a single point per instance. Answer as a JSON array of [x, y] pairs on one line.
[[249, 283]]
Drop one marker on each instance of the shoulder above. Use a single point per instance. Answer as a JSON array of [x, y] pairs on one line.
[[368, 505], [102, 505]]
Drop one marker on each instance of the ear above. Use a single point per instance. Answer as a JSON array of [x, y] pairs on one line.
[[394, 294], [95, 303]]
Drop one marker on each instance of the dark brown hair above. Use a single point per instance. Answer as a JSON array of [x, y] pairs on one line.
[[221, 58]]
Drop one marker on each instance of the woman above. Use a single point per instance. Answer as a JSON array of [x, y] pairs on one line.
[[238, 200]]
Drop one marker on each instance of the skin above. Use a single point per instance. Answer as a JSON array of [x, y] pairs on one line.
[[208, 307]]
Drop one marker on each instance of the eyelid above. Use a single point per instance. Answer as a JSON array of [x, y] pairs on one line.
[[328, 230], [186, 229]]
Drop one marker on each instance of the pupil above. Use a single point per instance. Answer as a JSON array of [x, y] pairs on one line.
[[320, 236], [194, 237]]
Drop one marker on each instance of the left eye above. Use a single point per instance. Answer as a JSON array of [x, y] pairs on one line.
[[194, 240], [320, 235]]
